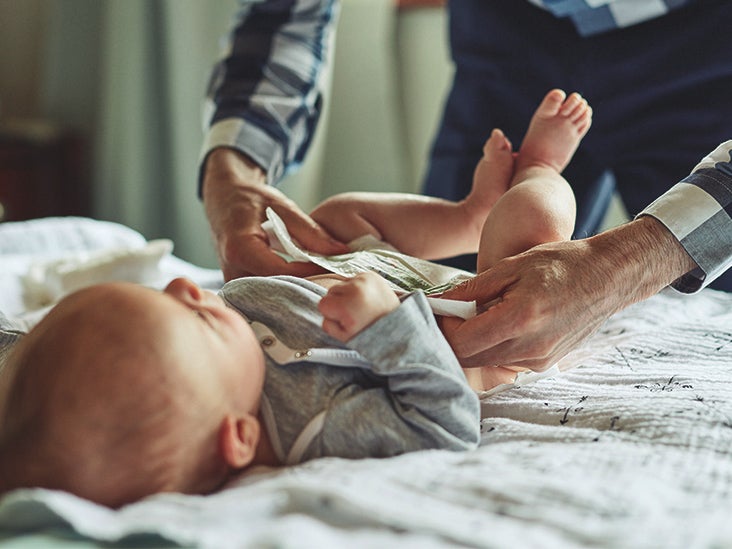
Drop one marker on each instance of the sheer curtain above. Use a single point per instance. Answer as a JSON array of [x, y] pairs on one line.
[[155, 58], [131, 74]]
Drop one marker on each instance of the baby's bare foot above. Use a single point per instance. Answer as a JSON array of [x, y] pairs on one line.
[[555, 131], [493, 173]]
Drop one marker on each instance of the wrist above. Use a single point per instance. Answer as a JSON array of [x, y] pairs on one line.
[[233, 165]]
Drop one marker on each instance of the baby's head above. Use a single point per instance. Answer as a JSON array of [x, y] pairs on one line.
[[122, 391]]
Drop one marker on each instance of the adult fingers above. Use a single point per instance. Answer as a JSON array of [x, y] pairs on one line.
[[309, 234], [481, 334], [251, 255]]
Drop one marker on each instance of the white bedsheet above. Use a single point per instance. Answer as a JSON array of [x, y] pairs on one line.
[[632, 448]]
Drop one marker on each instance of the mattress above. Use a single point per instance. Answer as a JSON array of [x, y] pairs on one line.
[[630, 446]]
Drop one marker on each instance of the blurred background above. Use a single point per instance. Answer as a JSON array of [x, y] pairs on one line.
[[100, 108], [118, 86]]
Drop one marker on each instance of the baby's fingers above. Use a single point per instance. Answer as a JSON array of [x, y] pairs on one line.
[[337, 318], [335, 329]]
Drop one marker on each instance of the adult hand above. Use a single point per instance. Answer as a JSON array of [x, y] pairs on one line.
[[543, 303], [235, 196]]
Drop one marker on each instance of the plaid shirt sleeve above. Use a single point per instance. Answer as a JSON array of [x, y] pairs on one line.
[[596, 16], [264, 96], [698, 211]]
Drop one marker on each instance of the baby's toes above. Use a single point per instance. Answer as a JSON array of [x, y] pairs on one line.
[[571, 104]]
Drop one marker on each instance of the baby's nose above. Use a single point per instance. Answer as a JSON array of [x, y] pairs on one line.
[[183, 289]]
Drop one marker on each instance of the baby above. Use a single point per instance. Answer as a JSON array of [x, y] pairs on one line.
[[122, 391]]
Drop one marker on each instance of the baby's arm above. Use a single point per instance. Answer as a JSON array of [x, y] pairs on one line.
[[421, 226], [417, 399], [354, 304]]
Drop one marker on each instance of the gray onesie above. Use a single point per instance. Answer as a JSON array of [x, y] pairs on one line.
[[393, 388]]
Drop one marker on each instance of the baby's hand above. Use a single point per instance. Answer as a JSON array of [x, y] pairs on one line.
[[351, 306]]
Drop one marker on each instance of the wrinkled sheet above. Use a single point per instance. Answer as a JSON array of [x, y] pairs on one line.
[[630, 447]]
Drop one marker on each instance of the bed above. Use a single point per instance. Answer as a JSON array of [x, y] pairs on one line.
[[631, 446]]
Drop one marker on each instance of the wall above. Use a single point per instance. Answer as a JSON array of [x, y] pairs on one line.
[[21, 25], [391, 74], [125, 73], [45, 73]]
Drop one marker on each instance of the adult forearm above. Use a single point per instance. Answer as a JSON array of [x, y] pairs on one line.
[[637, 260], [228, 181], [265, 95], [230, 164]]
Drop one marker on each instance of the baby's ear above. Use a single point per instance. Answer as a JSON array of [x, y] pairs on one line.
[[238, 439]]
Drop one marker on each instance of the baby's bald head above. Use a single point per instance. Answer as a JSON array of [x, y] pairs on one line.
[[101, 402]]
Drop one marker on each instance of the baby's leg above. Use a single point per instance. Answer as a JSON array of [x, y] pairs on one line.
[[420, 226], [539, 206], [532, 213], [492, 176], [423, 226], [488, 377], [536, 211]]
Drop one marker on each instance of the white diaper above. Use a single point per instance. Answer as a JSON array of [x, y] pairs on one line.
[[404, 273]]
